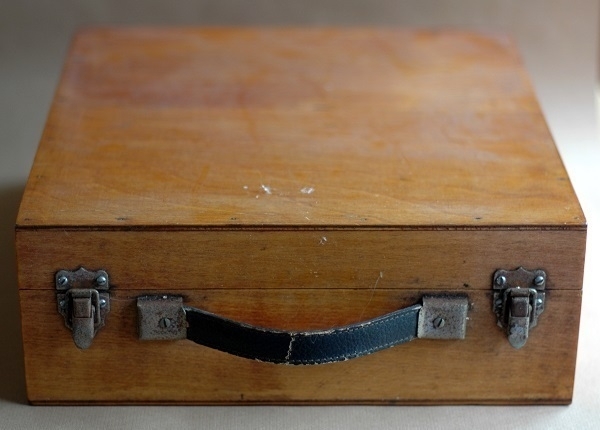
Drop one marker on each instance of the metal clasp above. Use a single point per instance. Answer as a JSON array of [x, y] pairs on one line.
[[83, 301], [519, 299]]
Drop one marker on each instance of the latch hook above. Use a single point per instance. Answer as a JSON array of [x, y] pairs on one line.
[[519, 299], [83, 301]]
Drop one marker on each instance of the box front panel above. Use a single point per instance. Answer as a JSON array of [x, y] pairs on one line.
[[119, 368], [300, 280]]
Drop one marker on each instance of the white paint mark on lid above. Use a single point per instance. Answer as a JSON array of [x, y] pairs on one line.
[[266, 189], [245, 187], [307, 190], [323, 240]]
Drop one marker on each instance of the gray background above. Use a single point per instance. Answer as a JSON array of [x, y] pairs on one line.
[[559, 43]]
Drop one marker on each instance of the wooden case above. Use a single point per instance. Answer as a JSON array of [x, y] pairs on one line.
[[299, 179]]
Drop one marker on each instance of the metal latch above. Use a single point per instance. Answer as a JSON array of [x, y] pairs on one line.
[[83, 301], [519, 299]]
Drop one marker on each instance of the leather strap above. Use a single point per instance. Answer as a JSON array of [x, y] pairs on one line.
[[297, 347], [164, 317]]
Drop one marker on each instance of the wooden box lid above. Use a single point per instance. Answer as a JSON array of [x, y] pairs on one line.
[[296, 128]]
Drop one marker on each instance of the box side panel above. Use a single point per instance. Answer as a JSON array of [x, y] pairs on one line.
[[483, 368], [188, 260]]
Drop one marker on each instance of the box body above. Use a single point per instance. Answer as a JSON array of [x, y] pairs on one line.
[[299, 179]]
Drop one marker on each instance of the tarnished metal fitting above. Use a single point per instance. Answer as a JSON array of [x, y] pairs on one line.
[[519, 299], [83, 300]]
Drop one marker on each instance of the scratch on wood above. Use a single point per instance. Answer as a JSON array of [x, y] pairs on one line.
[[372, 294]]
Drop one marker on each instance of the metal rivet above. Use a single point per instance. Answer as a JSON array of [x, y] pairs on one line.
[[102, 303], [439, 322], [540, 301], [63, 280], [165, 323], [501, 280], [101, 280], [539, 280], [62, 303]]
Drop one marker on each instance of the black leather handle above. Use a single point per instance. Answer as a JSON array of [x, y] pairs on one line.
[[308, 347], [165, 317]]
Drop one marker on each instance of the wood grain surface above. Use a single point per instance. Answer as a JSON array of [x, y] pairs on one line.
[[295, 127], [300, 280], [188, 260], [119, 368]]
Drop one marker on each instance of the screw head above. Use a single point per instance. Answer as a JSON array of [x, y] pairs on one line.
[[165, 322], [101, 280], [62, 304], [539, 280], [501, 280], [439, 322], [63, 280], [539, 301], [102, 303]]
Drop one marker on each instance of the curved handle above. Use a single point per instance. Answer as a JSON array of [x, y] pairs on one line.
[[308, 347], [166, 318]]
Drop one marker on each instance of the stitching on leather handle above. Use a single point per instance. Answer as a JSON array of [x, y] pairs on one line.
[[333, 333]]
